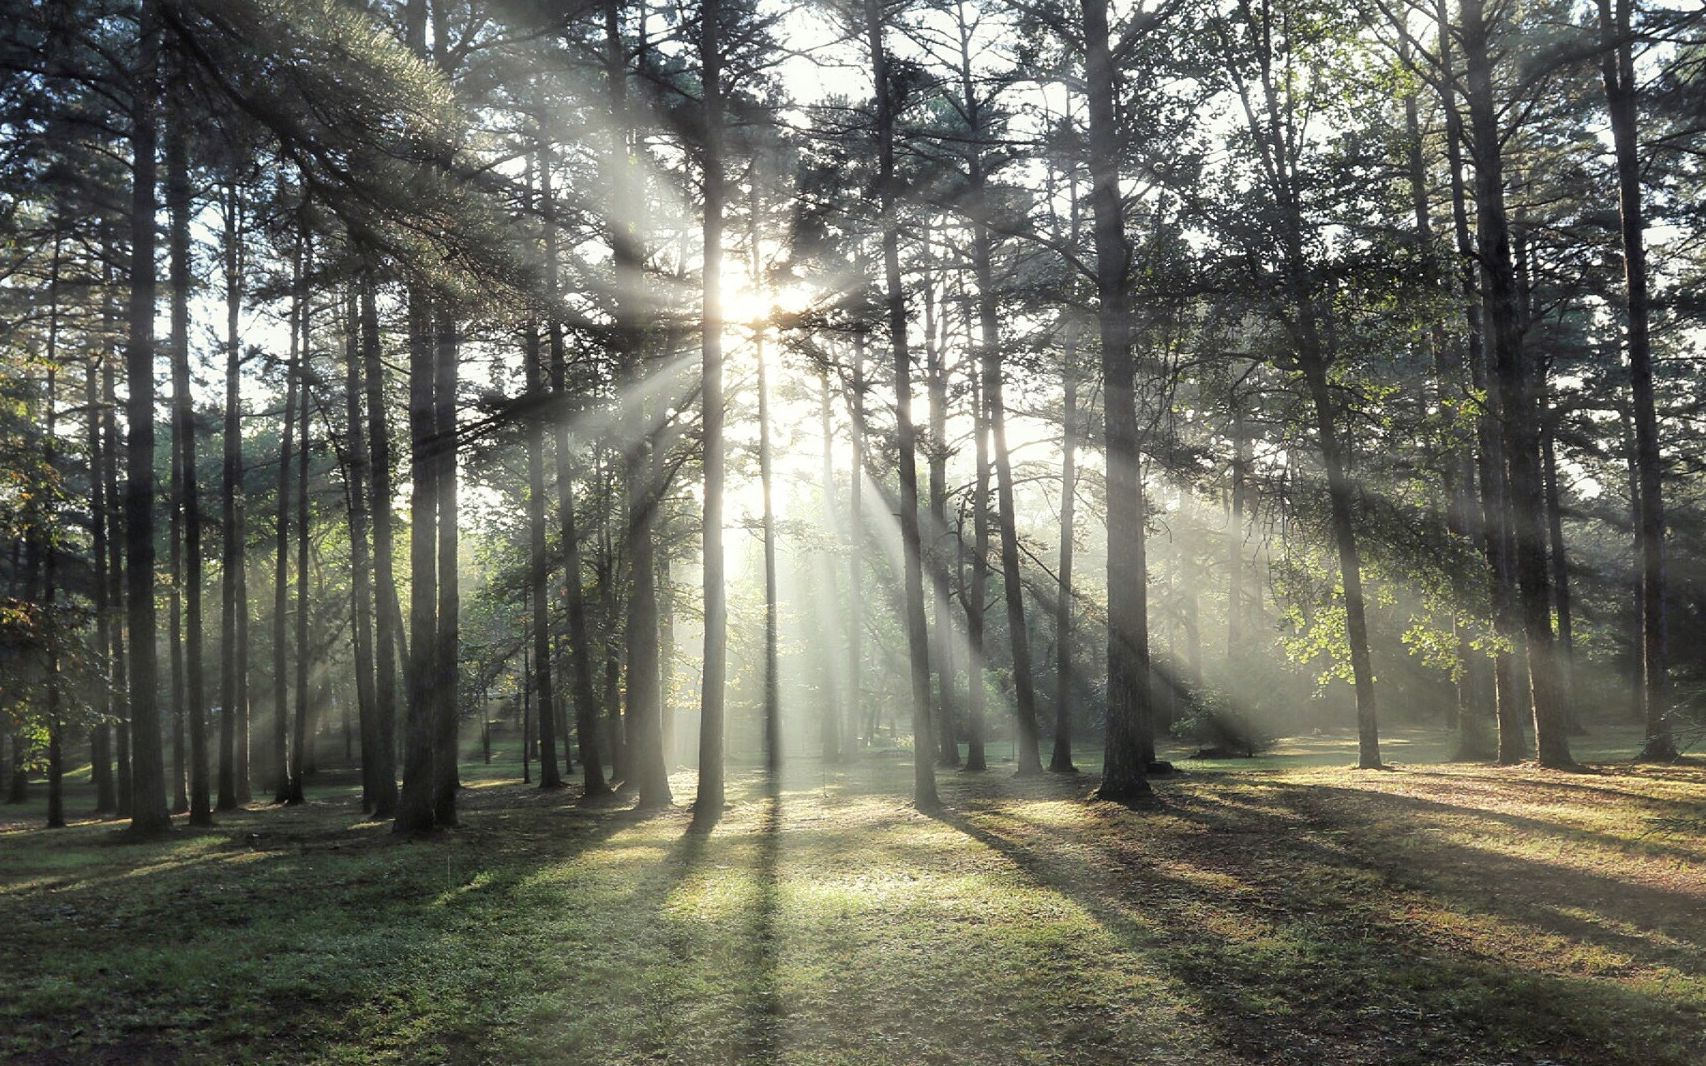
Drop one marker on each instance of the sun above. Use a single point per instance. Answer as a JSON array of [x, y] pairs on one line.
[[746, 303]]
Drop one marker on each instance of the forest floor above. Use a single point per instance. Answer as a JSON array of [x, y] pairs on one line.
[[1284, 910]]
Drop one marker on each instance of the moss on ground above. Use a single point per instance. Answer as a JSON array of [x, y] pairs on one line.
[[1283, 910]]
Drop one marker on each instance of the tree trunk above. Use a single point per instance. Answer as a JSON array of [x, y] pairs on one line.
[[148, 796], [990, 356], [860, 729], [1514, 382], [299, 754], [100, 736], [708, 804], [386, 622], [526, 690], [977, 601], [281, 565], [50, 563], [1459, 469], [358, 476], [1018, 633], [538, 567], [611, 607], [1473, 742], [1618, 68], [179, 207], [1560, 571], [234, 606], [415, 801], [645, 736], [772, 657], [912, 590], [1130, 743], [117, 546], [1313, 360], [832, 708], [1060, 759], [581, 640], [175, 561], [447, 650], [1638, 586], [1340, 492], [644, 748], [942, 633], [1235, 608]]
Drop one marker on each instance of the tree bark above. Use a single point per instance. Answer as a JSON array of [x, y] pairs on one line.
[[1060, 759], [49, 553], [148, 785], [234, 605], [860, 728], [281, 564], [645, 725], [942, 633], [1559, 558], [977, 600], [299, 754], [833, 708], [581, 642], [415, 801], [358, 477], [1269, 132], [1472, 739], [117, 546], [708, 804], [550, 775], [1618, 70], [1013, 580], [179, 206], [1514, 381], [386, 622], [1130, 743], [448, 647], [912, 591], [100, 736], [772, 656], [1458, 473]]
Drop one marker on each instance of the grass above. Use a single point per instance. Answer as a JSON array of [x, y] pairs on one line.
[[1280, 910]]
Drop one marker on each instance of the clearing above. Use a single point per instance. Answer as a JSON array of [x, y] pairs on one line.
[[1281, 910]]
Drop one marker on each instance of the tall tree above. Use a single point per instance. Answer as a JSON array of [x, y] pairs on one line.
[[293, 393], [185, 468], [100, 736], [912, 591], [1060, 759], [1130, 744], [1514, 382], [358, 475], [234, 597], [1617, 67], [387, 622], [302, 737], [580, 634], [148, 812], [415, 802], [538, 566], [708, 803]]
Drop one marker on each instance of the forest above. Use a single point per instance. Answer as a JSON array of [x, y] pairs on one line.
[[853, 531]]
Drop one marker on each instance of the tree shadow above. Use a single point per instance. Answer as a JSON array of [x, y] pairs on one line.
[[1313, 951], [762, 1014], [306, 926]]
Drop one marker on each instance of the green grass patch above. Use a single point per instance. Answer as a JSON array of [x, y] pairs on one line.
[[1277, 910]]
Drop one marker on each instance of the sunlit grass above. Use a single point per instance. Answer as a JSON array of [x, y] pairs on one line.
[[1287, 911]]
